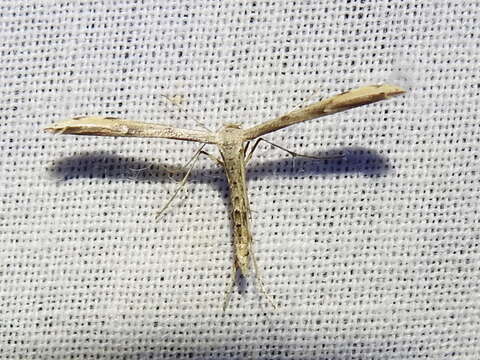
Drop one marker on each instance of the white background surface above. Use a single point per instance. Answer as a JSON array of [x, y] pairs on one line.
[[375, 257]]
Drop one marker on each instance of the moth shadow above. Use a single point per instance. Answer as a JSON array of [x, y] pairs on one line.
[[116, 167], [347, 160], [355, 160], [360, 160]]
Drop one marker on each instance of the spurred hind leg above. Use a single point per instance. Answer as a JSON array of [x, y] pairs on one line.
[[259, 282], [229, 291]]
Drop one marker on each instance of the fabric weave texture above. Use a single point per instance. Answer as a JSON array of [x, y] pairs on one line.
[[372, 257]]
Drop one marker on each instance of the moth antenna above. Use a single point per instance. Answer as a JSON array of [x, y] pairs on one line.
[[194, 117]]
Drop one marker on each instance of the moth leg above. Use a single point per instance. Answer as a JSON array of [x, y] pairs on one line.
[[190, 165], [228, 292], [174, 172], [245, 149], [339, 155], [215, 159], [259, 282], [254, 147], [182, 169]]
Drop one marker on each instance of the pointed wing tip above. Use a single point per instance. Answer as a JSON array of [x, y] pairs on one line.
[[82, 125], [50, 129], [56, 128], [61, 126], [389, 90]]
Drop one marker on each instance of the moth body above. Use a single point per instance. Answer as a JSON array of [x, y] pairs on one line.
[[232, 150]]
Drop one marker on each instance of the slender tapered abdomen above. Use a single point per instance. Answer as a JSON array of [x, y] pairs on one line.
[[234, 164]]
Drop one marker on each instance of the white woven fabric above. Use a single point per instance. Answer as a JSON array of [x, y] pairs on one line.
[[375, 257]]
